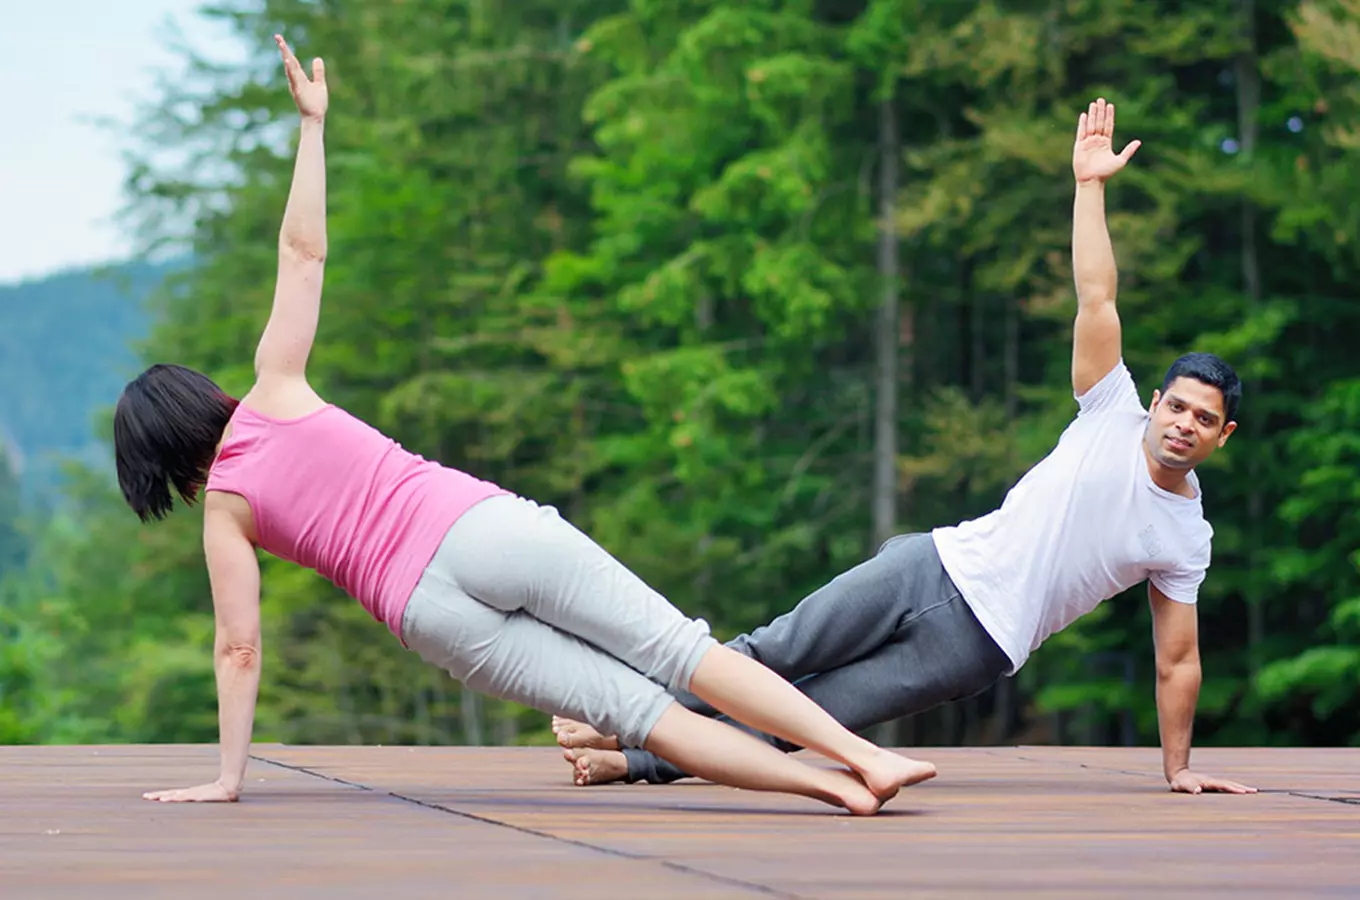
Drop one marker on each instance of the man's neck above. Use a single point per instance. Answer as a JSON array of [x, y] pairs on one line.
[[1176, 481]]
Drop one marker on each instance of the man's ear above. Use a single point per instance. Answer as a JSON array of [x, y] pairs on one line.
[[1227, 430], [1156, 396]]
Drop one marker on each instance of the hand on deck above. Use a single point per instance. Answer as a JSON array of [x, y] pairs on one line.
[[1187, 782]]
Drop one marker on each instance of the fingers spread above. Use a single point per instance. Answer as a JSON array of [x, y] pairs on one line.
[[1081, 126]]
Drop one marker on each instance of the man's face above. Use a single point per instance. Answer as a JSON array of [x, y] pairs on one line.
[[1187, 424]]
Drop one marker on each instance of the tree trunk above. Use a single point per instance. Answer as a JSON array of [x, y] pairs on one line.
[[1006, 707], [886, 350], [704, 313], [1012, 358], [470, 709], [1248, 80], [977, 346], [507, 724], [422, 717]]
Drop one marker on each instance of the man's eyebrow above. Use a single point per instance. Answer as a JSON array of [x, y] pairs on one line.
[[1183, 402]]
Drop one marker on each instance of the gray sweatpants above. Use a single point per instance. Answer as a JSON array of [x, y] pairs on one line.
[[519, 604], [892, 637]]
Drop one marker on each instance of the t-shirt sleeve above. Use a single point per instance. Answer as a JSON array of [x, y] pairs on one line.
[[1116, 391], [1182, 582]]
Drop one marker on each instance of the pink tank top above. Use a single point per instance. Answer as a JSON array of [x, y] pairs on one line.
[[332, 493]]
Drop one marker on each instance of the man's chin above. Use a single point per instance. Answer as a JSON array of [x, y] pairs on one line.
[[1171, 460]]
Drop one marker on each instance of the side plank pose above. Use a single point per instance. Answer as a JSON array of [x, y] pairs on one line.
[[497, 590], [939, 617]]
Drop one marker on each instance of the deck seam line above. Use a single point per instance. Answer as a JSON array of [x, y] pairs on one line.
[[1353, 801], [608, 851]]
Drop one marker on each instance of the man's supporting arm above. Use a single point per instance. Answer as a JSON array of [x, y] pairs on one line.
[[1175, 634]]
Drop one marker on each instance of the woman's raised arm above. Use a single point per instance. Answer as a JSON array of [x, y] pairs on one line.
[[287, 339]]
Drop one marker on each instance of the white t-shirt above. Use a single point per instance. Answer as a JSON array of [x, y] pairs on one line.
[[1084, 524]]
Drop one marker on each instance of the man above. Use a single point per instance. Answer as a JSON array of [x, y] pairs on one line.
[[941, 616]]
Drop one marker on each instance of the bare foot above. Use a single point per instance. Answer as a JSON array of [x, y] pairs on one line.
[[846, 790], [596, 766], [890, 772], [571, 733]]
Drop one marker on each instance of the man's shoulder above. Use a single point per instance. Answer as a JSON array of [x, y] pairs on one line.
[[1119, 424]]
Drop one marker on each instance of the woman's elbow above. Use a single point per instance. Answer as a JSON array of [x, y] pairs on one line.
[[244, 654], [302, 251]]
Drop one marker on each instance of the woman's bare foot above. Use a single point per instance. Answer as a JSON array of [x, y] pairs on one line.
[[596, 766], [571, 733], [890, 772], [846, 790]]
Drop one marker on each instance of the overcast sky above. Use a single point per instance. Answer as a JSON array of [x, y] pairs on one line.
[[62, 62]]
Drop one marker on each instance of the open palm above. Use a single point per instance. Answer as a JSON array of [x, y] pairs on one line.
[[309, 93], [1093, 156]]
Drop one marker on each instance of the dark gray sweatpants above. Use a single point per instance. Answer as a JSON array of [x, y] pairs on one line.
[[892, 637]]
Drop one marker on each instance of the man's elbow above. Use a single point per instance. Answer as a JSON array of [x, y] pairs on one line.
[[1095, 296], [1184, 667]]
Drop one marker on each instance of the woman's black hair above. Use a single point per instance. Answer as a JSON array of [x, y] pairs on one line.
[[165, 432]]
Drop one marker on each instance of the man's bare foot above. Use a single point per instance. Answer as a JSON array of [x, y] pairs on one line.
[[890, 772], [571, 733], [596, 766]]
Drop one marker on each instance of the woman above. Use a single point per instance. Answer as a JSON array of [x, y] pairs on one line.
[[499, 591]]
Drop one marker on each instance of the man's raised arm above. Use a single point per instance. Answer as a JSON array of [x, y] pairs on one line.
[[1096, 336]]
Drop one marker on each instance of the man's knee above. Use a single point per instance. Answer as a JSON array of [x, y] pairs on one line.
[[895, 539]]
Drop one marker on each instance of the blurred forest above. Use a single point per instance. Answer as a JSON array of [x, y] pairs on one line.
[[743, 288]]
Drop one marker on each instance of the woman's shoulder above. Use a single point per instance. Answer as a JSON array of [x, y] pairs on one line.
[[283, 399]]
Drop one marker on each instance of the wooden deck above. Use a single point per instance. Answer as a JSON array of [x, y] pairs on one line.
[[397, 822]]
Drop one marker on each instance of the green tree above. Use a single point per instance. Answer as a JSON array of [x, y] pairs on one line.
[[732, 236], [448, 142], [1312, 690], [694, 272], [13, 544]]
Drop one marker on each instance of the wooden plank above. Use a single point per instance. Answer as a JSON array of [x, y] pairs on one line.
[[360, 821], [74, 825]]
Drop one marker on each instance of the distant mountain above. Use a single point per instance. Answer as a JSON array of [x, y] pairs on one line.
[[66, 350]]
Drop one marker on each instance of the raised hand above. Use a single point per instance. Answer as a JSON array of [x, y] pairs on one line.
[[1093, 156], [204, 793], [309, 94], [1187, 782]]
